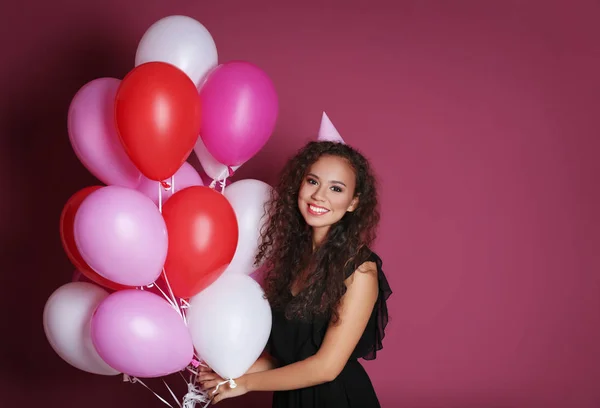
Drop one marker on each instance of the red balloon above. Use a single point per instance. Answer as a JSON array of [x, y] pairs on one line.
[[157, 111], [67, 237], [203, 235]]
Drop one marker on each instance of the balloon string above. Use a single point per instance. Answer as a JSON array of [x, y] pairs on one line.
[[196, 362], [223, 183], [224, 174], [183, 312], [133, 380], [167, 298], [172, 394], [171, 298], [177, 307], [194, 395], [231, 382], [167, 187], [160, 197], [184, 304]]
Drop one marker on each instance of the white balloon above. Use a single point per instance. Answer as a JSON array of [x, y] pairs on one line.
[[212, 167], [248, 198], [67, 324], [180, 41], [230, 323]]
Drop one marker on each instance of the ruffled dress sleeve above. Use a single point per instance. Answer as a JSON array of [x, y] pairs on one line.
[[372, 339]]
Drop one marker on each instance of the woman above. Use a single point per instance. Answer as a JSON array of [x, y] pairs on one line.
[[325, 286]]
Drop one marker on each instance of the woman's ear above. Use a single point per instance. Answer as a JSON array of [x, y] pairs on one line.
[[353, 204]]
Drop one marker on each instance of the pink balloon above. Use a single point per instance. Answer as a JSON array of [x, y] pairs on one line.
[[140, 334], [239, 111], [186, 176], [93, 134], [121, 235]]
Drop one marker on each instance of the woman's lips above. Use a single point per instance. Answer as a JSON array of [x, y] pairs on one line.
[[316, 210]]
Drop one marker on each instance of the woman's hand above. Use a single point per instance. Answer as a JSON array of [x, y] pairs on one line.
[[209, 380], [207, 374], [225, 391]]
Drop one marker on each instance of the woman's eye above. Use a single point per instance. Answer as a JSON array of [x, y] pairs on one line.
[[336, 189], [312, 181]]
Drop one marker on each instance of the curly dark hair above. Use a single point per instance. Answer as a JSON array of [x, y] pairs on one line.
[[286, 246]]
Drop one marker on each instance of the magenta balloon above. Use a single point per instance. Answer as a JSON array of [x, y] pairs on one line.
[[239, 112], [93, 134], [186, 176], [121, 235], [140, 334]]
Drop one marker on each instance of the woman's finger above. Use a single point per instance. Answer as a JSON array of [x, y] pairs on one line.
[[209, 384], [207, 376]]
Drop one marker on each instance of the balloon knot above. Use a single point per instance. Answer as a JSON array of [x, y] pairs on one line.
[[165, 185]]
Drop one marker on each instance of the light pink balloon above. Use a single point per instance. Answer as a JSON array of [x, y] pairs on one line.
[[121, 235], [93, 134], [212, 168], [239, 112], [186, 176], [140, 334]]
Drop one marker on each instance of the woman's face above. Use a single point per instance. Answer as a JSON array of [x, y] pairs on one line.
[[327, 192]]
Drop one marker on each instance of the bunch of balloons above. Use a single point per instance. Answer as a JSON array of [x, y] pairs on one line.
[[167, 259]]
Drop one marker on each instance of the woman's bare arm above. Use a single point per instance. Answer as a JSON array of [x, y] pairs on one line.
[[265, 362]]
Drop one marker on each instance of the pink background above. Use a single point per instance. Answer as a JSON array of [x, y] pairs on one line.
[[481, 118]]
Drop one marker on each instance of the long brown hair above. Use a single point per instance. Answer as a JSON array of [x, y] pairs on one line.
[[286, 239]]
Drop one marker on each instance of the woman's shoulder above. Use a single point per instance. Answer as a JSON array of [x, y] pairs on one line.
[[373, 263], [374, 257], [370, 256], [366, 260]]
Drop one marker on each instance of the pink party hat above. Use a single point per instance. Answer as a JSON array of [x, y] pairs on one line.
[[328, 132]]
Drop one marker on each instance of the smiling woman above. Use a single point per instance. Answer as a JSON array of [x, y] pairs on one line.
[[326, 287]]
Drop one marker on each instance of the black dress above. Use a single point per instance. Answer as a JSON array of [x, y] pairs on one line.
[[296, 340]]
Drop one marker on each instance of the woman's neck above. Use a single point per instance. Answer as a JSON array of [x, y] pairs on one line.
[[318, 236]]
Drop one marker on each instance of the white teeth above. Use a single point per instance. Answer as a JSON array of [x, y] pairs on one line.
[[318, 209]]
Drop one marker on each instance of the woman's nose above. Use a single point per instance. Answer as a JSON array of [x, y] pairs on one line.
[[318, 194]]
